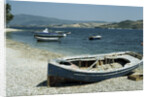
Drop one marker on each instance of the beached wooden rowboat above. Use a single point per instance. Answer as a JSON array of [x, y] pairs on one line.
[[92, 68]]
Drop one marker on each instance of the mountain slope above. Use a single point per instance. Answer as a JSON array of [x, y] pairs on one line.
[[127, 24], [23, 19], [27, 20]]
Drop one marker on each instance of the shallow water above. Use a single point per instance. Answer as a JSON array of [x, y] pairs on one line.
[[77, 42]]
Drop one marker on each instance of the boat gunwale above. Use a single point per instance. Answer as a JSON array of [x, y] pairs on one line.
[[101, 73], [53, 62], [38, 37]]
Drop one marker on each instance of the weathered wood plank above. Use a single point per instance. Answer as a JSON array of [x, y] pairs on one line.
[[136, 77]]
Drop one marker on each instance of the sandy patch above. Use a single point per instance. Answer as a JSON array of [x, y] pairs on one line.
[[11, 30]]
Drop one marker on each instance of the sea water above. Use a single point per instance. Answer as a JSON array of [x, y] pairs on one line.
[[77, 43]]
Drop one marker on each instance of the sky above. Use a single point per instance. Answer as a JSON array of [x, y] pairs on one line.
[[77, 11]]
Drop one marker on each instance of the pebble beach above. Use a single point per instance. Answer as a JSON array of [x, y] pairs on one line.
[[26, 74]]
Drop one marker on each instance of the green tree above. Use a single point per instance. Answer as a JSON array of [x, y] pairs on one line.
[[9, 16]]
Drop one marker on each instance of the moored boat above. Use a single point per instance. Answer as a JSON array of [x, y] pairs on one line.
[[47, 38], [95, 37], [68, 32], [40, 34], [92, 68], [62, 32], [46, 33]]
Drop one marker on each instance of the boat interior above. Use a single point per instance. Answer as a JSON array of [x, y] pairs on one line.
[[96, 64], [108, 62]]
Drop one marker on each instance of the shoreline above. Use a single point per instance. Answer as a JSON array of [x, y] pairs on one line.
[[32, 52], [6, 30], [26, 73]]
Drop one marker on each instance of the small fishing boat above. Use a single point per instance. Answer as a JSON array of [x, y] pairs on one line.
[[47, 38], [92, 68], [46, 33], [62, 32], [97, 37], [40, 34], [68, 32]]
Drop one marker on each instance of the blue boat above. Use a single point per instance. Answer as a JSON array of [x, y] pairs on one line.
[[92, 68]]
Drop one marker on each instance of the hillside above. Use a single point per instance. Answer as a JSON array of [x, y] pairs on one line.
[[24, 20], [79, 25], [127, 24], [31, 20], [39, 21]]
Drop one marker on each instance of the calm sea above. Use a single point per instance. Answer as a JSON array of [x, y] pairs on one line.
[[77, 43]]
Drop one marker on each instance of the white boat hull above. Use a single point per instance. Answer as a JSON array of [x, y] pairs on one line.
[[47, 38]]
